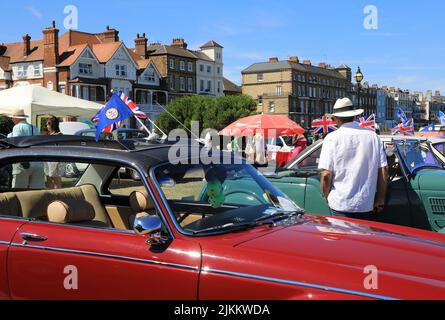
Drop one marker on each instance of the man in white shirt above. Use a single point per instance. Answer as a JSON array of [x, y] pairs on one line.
[[355, 170]]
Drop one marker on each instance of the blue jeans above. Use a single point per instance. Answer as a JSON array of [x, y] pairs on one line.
[[369, 216]]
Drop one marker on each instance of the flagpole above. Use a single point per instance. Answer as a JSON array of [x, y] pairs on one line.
[[146, 129]]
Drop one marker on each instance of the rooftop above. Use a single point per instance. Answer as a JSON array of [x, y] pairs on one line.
[[286, 65]]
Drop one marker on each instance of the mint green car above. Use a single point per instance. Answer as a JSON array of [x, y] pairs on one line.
[[416, 185]]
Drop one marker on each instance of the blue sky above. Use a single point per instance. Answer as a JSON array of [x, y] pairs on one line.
[[407, 50]]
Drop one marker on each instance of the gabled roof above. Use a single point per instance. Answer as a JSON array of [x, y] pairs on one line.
[[15, 51], [161, 49], [71, 55], [105, 51], [211, 44]]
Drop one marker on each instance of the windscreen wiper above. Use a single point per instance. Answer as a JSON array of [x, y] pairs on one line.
[[235, 226], [280, 216], [268, 220]]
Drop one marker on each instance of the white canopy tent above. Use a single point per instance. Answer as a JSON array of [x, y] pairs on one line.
[[38, 101]]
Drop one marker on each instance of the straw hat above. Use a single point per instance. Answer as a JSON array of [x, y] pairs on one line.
[[18, 114], [344, 108]]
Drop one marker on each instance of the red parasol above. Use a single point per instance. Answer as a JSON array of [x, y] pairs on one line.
[[269, 125]]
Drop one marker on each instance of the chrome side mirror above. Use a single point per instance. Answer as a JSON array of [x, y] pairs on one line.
[[150, 226], [146, 225]]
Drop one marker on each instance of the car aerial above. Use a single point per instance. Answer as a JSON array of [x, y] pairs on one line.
[[207, 227], [416, 186]]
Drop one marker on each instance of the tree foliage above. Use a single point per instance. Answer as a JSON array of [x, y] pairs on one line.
[[6, 125], [211, 112]]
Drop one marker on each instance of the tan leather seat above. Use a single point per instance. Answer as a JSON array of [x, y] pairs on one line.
[[78, 212], [141, 204], [34, 204], [9, 205]]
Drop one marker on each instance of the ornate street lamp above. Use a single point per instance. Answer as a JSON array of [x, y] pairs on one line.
[[358, 79]]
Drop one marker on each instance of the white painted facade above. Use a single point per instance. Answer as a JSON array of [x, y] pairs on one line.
[[27, 71], [87, 66], [145, 98], [209, 72]]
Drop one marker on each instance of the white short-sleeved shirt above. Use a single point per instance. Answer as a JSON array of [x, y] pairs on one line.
[[353, 155]]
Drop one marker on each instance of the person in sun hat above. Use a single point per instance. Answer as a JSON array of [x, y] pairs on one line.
[[21, 127], [354, 166], [25, 175]]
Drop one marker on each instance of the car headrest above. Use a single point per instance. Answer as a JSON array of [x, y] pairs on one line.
[[70, 211], [140, 201]]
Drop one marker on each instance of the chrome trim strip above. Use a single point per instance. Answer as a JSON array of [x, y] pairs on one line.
[[4, 243], [297, 283], [104, 255]]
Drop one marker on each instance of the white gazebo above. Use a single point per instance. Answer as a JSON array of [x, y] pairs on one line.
[[38, 101]]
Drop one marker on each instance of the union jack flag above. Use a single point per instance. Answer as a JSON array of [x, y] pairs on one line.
[[367, 123], [137, 112], [324, 125], [405, 128]]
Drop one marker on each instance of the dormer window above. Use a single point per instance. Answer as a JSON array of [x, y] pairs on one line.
[[149, 75], [85, 68], [121, 70]]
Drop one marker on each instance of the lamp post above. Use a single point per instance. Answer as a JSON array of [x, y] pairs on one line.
[[358, 79]]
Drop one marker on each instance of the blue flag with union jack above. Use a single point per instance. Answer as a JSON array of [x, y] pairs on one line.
[[118, 108]]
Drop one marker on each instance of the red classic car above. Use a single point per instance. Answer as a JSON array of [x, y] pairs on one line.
[[206, 227]]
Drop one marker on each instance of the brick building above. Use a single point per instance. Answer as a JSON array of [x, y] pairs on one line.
[[90, 65], [300, 90]]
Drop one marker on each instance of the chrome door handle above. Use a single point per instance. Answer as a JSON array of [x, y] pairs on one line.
[[32, 237]]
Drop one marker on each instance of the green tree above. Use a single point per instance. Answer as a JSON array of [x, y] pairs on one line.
[[211, 112], [6, 125]]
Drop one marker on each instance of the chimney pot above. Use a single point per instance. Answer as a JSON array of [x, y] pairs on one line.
[[294, 59], [179, 42], [26, 45], [274, 59], [140, 45], [307, 62]]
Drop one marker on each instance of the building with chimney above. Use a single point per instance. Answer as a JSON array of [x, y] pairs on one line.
[[177, 65], [297, 89]]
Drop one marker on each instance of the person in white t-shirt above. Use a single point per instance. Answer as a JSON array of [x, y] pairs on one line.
[[354, 167]]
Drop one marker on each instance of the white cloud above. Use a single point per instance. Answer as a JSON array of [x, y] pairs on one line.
[[34, 12]]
